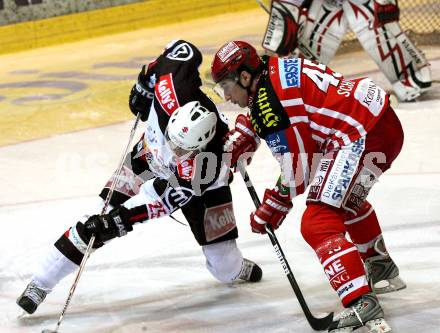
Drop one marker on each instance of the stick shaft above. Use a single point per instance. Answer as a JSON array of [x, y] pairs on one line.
[[92, 239], [315, 323]]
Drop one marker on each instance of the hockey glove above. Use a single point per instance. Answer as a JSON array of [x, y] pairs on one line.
[[273, 210], [141, 95], [385, 11], [108, 226], [242, 139]]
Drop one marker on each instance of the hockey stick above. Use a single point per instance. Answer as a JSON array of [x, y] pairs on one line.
[[305, 50], [92, 239], [318, 324]]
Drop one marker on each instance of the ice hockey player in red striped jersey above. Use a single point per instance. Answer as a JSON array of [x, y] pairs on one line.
[[336, 135]]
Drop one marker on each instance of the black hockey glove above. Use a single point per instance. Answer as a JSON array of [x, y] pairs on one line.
[[141, 95], [108, 226]]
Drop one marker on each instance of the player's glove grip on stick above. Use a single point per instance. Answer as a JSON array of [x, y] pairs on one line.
[[108, 226], [273, 210], [141, 96]]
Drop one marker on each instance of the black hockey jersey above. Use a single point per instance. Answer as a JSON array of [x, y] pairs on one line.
[[174, 80]]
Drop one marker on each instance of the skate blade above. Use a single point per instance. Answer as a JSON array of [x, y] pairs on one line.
[[22, 314], [389, 286], [378, 326]]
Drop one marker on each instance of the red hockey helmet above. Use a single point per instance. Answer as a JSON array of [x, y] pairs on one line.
[[232, 57]]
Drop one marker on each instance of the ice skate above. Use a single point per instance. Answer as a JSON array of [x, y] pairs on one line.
[[32, 297], [365, 312], [250, 271], [382, 272]]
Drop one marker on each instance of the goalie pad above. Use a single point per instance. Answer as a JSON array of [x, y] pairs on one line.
[[324, 29], [404, 65], [282, 29], [342, 181]]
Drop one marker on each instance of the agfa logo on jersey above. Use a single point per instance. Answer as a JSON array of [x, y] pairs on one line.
[[181, 52], [290, 69], [166, 95]]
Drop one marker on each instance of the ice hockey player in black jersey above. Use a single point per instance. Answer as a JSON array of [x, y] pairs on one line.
[[177, 164]]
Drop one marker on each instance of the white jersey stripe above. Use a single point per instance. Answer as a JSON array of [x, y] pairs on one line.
[[331, 131], [299, 119], [292, 102], [317, 138], [343, 137], [337, 115], [321, 129]]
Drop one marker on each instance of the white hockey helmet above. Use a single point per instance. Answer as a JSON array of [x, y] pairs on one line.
[[190, 127]]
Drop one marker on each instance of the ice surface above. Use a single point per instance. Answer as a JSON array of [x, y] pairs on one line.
[[154, 280]]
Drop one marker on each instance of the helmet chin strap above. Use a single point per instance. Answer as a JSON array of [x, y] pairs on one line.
[[248, 88]]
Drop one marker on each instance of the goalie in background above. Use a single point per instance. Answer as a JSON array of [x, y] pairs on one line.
[[317, 27]]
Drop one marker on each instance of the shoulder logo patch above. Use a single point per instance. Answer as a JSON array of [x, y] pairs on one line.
[[181, 52]]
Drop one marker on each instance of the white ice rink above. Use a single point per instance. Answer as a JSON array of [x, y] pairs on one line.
[[154, 280]]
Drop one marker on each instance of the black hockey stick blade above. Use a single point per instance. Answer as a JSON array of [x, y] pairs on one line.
[[321, 324]]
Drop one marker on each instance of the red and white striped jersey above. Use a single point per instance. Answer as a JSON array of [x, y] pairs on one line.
[[303, 107], [337, 111]]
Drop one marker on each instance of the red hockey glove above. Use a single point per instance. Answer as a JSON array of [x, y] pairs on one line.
[[242, 139], [273, 210], [385, 11]]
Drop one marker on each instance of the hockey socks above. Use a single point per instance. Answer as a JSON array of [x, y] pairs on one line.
[[343, 267]]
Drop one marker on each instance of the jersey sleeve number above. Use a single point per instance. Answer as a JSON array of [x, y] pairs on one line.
[[318, 75]]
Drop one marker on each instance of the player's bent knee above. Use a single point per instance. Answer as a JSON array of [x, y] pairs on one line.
[[310, 229], [319, 222], [223, 260]]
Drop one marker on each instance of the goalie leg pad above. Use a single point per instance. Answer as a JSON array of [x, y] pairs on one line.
[[324, 29], [282, 28], [404, 65]]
